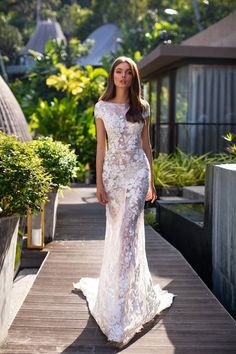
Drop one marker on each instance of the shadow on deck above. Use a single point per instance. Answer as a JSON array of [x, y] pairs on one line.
[[54, 319]]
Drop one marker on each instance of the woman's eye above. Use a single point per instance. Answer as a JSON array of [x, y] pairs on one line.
[[120, 72]]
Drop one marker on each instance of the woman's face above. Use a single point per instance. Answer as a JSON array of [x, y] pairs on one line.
[[123, 75]]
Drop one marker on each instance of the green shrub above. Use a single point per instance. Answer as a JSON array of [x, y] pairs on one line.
[[59, 102], [18, 248], [180, 169], [81, 172], [57, 159], [150, 218], [231, 139], [23, 181]]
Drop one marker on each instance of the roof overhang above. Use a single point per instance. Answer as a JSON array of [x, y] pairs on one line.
[[168, 54]]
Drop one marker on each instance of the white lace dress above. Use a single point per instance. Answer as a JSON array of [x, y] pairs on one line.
[[123, 298]]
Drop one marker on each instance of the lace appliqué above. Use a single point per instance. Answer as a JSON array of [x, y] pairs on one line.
[[124, 297]]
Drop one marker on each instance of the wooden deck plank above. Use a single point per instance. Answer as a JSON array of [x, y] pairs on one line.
[[55, 319], [49, 349]]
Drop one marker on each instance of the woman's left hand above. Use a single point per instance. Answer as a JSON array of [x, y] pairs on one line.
[[151, 194]]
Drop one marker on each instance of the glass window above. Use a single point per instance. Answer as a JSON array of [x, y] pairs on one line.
[[205, 106], [153, 101], [181, 94], [153, 115], [164, 138], [146, 90], [164, 99], [205, 93]]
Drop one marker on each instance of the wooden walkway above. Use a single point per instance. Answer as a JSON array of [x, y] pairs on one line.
[[53, 319]]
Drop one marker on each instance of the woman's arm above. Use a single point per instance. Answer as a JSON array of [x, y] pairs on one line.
[[101, 149], [146, 144]]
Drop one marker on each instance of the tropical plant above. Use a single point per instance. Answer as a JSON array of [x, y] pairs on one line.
[[32, 87], [151, 22], [231, 139], [10, 39], [58, 101], [146, 24], [81, 172], [21, 14], [76, 21], [180, 169], [23, 181], [57, 159], [150, 218], [70, 118]]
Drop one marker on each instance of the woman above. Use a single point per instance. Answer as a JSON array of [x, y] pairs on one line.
[[123, 298]]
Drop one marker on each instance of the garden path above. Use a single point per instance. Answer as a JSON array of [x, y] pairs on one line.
[[54, 319]]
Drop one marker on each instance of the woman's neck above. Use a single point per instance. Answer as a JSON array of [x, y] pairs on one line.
[[121, 96]]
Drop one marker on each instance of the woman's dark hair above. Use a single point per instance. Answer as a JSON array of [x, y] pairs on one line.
[[137, 105]]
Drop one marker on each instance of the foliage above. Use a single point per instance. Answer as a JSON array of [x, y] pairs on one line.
[[23, 181], [105, 11], [81, 172], [20, 22], [70, 118], [184, 14], [231, 139], [10, 39], [180, 169], [144, 35], [150, 218], [18, 248], [57, 159], [33, 86], [146, 24], [59, 100], [57, 51], [30, 88], [75, 80], [75, 20], [214, 10]]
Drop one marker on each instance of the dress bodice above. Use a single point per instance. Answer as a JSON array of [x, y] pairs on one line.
[[122, 135]]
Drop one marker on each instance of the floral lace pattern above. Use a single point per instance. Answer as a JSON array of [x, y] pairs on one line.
[[123, 298]]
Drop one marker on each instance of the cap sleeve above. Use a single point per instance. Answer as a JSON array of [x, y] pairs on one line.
[[97, 110], [146, 113]]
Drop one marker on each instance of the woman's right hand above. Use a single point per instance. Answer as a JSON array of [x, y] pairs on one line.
[[101, 195]]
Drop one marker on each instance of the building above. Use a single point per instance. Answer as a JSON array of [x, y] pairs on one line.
[[44, 31], [191, 88], [106, 39], [12, 119]]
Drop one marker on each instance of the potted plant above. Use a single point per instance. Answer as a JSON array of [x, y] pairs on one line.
[[23, 184], [61, 163]]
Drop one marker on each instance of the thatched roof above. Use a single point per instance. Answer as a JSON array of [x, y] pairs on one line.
[[44, 31], [105, 41], [12, 119]]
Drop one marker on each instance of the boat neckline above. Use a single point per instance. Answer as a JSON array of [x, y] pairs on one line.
[[125, 103]]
